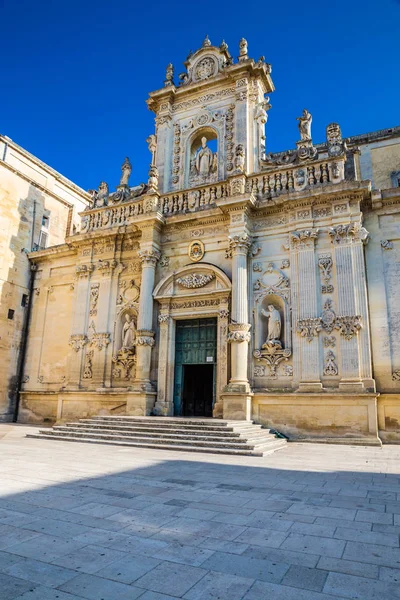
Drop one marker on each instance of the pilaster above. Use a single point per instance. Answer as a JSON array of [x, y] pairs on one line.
[[305, 309]]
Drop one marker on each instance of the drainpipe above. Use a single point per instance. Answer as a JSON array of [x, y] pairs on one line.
[[25, 327]]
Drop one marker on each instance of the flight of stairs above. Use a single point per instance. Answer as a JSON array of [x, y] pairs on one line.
[[166, 433]]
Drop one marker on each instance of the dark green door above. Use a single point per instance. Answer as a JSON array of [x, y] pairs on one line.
[[195, 359]]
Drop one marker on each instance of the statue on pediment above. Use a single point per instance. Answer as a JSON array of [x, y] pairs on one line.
[[126, 172], [305, 125]]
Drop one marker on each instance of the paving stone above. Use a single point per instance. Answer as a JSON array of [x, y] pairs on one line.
[[313, 529], [187, 555], [373, 517], [40, 572], [89, 559], [94, 588], [45, 593], [262, 537], [156, 596], [279, 555], [246, 566], [223, 546], [305, 578], [261, 590], [171, 578], [7, 559], [13, 587], [323, 511], [219, 585], [195, 513], [367, 537], [128, 569], [10, 536], [57, 528], [138, 545], [359, 525], [314, 545], [360, 588], [45, 547], [370, 553], [349, 567], [391, 575]]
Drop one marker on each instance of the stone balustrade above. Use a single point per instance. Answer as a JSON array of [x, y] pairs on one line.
[[282, 180]]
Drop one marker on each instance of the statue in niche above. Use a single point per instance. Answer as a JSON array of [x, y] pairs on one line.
[[128, 332], [274, 326], [205, 161], [305, 125], [126, 172]]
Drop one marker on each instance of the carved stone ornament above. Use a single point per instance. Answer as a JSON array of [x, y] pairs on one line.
[[334, 141], [124, 360], [87, 369], [84, 270], [78, 341], [288, 371], [328, 316], [387, 245], [325, 263], [348, 326], [106, 267], [396, 375], [224, 313], [164, 261], [348, 234], [329, 341], [144, 337], [195, 280], [239, 332], [309, 327], [99, 340], [196, 250], [205, 68], [273, 354], [163, 319], [330, 367]]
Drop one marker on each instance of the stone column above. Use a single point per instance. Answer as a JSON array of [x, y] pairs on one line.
[[305, 310], [164, 405], [352, 318], [237, 395]]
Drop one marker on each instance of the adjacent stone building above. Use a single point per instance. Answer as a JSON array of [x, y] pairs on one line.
[[38, 208], [237, 283]]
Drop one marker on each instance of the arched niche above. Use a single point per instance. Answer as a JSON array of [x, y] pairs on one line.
[[121, 320], [280, 302], [202, 157]]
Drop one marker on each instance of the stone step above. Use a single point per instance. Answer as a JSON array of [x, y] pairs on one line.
[[119, 437], [150, 434], [166, 420], [278, 445], [167, 431], [166, 426]]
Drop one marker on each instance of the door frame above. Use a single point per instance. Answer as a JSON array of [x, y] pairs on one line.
[[177, 302]]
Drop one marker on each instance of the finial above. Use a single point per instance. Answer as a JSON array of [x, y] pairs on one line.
[[224, 46], [243, 50], [169, 75], [206, 42], [152, 144]]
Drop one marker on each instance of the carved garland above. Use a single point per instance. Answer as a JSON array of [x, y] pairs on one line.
[[195, 280]]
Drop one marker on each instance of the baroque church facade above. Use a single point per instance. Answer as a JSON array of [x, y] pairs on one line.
[[235, 284]]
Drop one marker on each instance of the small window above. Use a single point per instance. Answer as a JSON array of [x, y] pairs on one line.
[[43, 237], [45, 221], [11, 314], [24, 300]]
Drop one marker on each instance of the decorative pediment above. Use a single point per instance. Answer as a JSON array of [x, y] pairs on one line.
[[193, 280], [205, 63]]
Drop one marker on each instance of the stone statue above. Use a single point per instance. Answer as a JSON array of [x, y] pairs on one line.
[[239, 158], [204, 159], [102, 195], [243, 49], [274, 323], [169, 75], [153, 179], [305, 125], [126, 172], [128, 332], [152, 145]]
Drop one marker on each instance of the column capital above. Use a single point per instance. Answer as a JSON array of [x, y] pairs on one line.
[[239, 243], [239, 332], [304, 239], [348, 234], [149, 256]]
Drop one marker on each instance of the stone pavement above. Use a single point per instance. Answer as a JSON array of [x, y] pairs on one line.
[[310, 522]]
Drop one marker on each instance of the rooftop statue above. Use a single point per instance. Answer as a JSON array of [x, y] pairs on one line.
[[305, 125], [126, 172]]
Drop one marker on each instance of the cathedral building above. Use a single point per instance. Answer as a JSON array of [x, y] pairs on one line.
[[236, 283]]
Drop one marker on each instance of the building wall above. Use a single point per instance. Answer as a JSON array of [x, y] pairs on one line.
[[29, 192]]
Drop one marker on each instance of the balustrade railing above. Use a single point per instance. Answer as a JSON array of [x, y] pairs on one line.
[[283, 180]]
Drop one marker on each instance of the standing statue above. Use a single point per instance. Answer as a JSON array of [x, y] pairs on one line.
[[126, 172], [101, 198], [305, 125], [274, 323], [152, 144], [169, 75], [204, 159], [243, 49], [128, 332]]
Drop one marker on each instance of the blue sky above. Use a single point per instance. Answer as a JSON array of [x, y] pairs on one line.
[[75, 75]]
